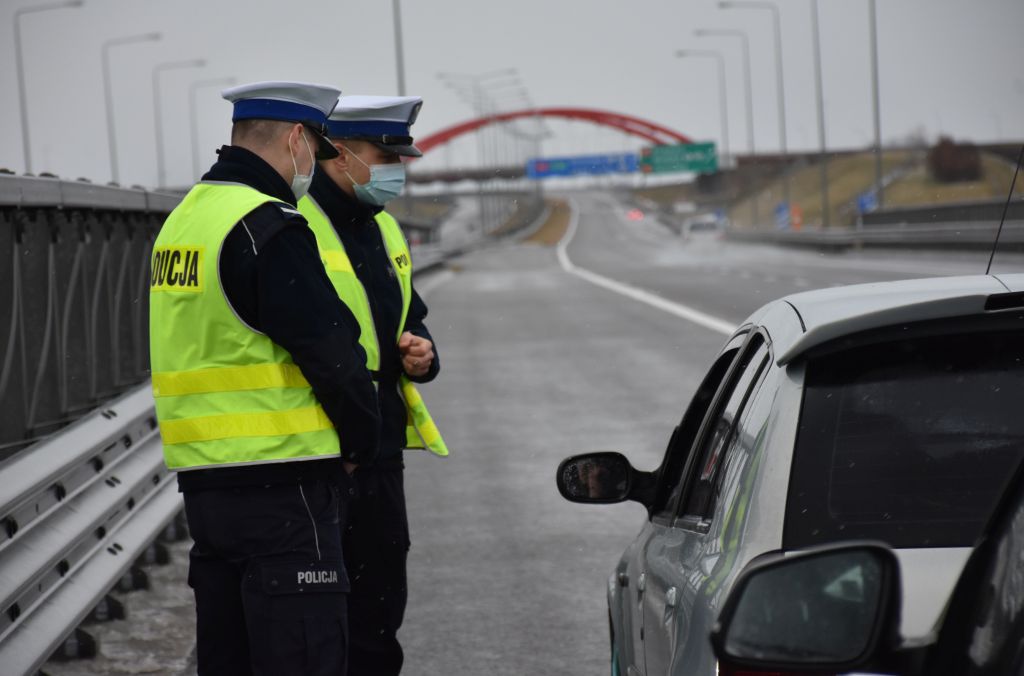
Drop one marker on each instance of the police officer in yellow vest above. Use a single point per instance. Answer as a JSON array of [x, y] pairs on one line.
[[368, 261], [262, 394]]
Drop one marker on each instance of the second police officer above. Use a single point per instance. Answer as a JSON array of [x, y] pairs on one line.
[[368, 261]]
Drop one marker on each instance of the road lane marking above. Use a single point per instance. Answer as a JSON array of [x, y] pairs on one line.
[[630, 291]]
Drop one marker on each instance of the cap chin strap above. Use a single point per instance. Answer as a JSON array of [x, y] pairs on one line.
[[383, 139]]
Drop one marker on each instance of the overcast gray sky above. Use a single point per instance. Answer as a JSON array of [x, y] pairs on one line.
[[952, 66]]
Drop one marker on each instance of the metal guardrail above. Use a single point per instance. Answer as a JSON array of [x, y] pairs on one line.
[[77, 510], [984, 211], [83, 487], [974, 236]]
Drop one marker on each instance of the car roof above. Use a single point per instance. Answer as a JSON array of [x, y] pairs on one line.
[[827, 314]]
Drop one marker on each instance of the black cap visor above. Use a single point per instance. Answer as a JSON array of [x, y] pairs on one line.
[[325, 149], [407, 150], [399, 145]]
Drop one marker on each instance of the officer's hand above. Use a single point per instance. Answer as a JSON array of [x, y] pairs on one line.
[[417, 354]]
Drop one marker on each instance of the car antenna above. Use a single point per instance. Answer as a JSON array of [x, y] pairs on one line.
[[1006, 207]]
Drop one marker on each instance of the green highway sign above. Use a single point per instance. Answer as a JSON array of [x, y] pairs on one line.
[[701, 158]]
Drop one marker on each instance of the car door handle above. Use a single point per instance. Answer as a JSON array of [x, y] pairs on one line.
[[641, 582], [670, 597]]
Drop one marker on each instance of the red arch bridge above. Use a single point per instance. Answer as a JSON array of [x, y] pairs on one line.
[[652, 132]]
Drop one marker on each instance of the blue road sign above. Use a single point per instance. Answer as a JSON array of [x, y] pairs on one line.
[[867, 201], [592, 165], [782, 215]]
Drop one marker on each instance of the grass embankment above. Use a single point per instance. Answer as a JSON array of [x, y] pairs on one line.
[[851, 175], [848, 176], [917, 187], [554, 228]]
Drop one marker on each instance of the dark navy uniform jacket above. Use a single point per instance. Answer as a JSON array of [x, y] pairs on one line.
[[354, 222], [274, 279]]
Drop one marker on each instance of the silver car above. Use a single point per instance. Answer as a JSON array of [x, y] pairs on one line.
[[889, 412]]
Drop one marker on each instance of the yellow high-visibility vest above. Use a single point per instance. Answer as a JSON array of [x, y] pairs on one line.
[[420, 429], [226, 395]]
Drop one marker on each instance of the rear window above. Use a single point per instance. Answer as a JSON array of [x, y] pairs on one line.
[[909, 442]]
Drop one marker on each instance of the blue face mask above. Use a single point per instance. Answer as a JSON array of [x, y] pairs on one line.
[[386, 182]]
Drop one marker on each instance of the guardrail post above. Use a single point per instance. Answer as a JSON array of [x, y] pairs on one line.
[[106, 610], [74, 318], [140, 296], [176, 530], [136, 578], [156, 554], [12, 336], [80, 645], [100, 310]]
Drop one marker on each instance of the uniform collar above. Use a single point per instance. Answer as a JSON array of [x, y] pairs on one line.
[[340, 207], [239, 165]]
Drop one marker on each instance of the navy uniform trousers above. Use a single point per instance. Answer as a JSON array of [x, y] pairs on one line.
[[376, 544], [269, 580]]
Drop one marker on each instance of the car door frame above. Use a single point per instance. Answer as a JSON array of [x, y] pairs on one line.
[[627, 586], [664, 606]]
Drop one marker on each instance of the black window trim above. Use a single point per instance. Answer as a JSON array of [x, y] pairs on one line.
[[692, 522], [942, 326], [666, 515]]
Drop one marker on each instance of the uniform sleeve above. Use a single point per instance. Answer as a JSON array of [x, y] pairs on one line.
[[297, 308], [414, 324]]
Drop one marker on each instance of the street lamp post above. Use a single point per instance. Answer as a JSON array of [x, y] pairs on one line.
[[494, 99], [111, 136], [875, 103], [20, 66], [745, 42], [490, 95], [194, 117], [820, 95], [399, 55], [161, 168], [779, 84], [474, 84], [722, 101]]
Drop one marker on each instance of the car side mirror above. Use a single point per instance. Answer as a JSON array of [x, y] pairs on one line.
[[603, 477], [833, 609]]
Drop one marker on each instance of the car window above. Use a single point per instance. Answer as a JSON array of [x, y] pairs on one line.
[[684, 436], [742, 457], [910, 441], [718, 432]]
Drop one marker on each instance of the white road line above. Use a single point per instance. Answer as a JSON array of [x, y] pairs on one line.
[[638, 294]]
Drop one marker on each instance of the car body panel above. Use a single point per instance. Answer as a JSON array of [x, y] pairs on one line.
[[1014, 282], [832, 313], [929, 576], [696, 563], [980, 630]]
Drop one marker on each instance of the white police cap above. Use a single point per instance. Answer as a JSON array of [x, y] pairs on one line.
[[383, 120], [302, 102]]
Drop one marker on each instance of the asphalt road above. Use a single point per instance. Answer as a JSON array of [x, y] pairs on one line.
[[505, 576], [537, 364]]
